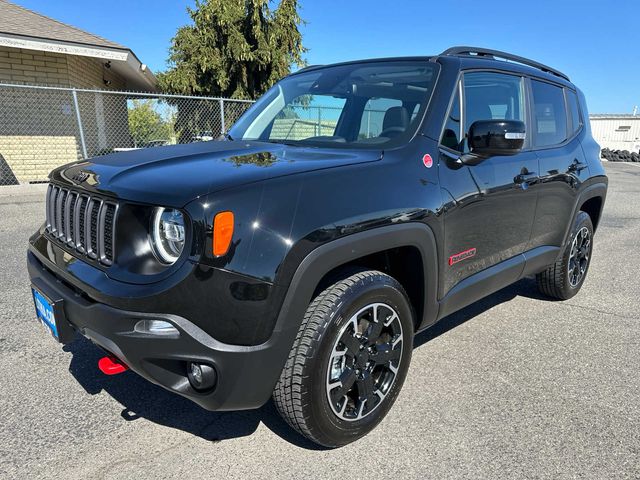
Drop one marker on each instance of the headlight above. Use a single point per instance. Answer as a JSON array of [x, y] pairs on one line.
[[167, 234]]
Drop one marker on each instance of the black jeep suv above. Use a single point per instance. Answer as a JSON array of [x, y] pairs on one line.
[[350, 207]]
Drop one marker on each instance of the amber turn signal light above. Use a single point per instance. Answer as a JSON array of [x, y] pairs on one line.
[[222, 233]]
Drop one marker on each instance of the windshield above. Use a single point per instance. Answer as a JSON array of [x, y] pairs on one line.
[[366, 105]]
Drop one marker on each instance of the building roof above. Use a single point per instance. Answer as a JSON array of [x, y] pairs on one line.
[[615, 116], [18, 20], [26, 29]]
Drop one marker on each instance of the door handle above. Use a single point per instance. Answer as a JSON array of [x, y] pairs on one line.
[[526, 178], [577, 166]]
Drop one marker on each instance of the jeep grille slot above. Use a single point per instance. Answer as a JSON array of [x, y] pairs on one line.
[[82, 222]]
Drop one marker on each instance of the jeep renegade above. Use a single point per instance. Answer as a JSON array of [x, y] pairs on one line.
[[297, 258]]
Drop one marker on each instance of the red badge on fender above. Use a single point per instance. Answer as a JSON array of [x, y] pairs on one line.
[[427, 161], [458, 257]]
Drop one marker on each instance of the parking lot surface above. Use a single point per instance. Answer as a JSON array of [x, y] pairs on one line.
[[514, 386]]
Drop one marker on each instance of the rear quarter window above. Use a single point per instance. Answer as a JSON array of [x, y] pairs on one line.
[[575, 117]]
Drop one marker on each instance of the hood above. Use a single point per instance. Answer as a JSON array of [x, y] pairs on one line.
[[175, 175]]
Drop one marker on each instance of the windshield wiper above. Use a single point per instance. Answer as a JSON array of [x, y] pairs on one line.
[[291, 143]]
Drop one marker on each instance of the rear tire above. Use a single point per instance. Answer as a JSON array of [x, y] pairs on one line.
[[349, 360], [565, 277]]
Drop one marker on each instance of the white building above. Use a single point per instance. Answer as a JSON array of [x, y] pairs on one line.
[[616, 131]]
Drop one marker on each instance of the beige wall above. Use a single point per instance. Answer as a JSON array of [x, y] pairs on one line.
[[28, 66], [38, 129], [54, 69], [89, 73], [31, 158]]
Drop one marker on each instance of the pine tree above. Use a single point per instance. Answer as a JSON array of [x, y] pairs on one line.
[[234, 48]]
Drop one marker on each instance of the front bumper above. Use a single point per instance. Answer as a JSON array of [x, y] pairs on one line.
[[246, 375]]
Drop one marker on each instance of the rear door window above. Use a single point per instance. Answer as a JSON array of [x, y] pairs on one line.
[[550, 115]]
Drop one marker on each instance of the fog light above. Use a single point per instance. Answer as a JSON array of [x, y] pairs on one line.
[[156, 327], [201, 376], [196, 373]]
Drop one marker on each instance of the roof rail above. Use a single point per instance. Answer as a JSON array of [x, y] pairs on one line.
[[485, 52], [308, 67]]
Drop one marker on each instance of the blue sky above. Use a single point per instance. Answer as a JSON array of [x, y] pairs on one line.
[[597, 43]]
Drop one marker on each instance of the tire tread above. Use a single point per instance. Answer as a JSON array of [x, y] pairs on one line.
[[289, 394], [553, 281]]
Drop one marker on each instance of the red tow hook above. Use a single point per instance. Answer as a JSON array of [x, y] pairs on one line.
[[110, 365]]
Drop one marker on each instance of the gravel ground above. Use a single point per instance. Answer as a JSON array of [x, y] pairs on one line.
[[513, 386]]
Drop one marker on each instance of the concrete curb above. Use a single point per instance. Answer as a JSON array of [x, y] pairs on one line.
[[23, 190], [19, 194]]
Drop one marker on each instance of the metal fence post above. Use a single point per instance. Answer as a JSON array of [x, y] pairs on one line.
[[107, 122], [79, 119], [222, 125]]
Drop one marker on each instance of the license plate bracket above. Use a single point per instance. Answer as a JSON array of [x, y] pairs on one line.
[[50, 312]]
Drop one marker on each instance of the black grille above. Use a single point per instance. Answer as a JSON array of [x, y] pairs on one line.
[[109, 216], [70, 210], [82, 207], [94, 206], [82, 222], [60, 203]]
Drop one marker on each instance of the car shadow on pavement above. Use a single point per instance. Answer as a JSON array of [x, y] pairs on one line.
[[522, 288], [142, 399]]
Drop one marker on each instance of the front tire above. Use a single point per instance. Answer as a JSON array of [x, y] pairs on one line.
[[349, 360], [565, 277]]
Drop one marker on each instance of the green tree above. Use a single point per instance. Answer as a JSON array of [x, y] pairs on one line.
[[234, 48], [146, 124]]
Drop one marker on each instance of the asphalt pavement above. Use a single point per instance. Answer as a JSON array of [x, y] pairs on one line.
[[514, 386]]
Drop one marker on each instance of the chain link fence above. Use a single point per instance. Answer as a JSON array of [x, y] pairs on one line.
[[42, 128]]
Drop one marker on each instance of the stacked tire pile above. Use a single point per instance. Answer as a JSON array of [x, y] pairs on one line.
[[620, 155]]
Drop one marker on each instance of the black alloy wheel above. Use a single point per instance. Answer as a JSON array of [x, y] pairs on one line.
[[579, 256], [349, 360], [564, 278], [364, 362]]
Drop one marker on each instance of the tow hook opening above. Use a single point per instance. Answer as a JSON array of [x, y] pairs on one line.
[[111, 365]]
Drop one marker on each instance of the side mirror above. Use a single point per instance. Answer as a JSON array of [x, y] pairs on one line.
[[496, 137]]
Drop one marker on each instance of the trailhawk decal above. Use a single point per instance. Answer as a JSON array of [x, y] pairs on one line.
[[458, 257]]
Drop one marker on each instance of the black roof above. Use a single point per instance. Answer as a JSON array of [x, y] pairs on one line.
[[497, 54], [473, 57]]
